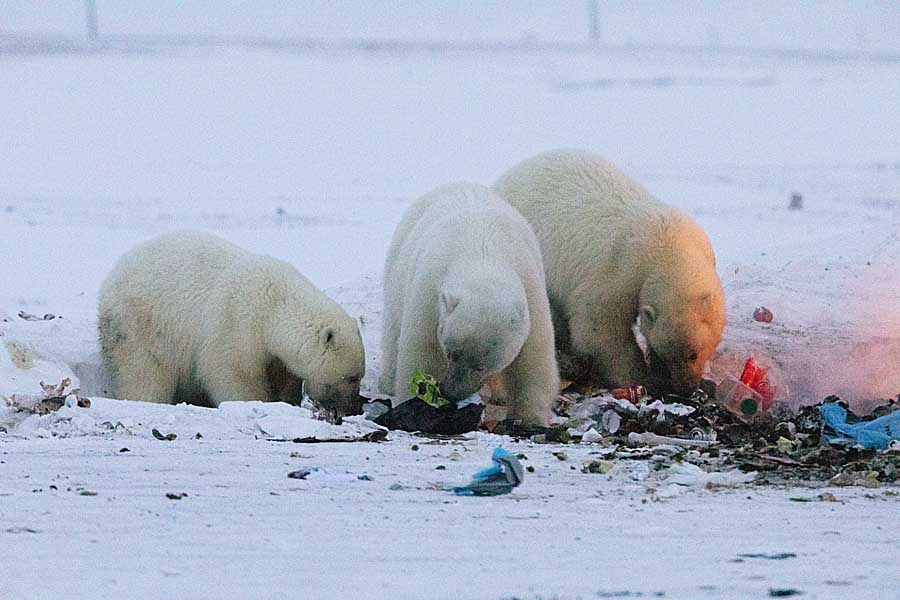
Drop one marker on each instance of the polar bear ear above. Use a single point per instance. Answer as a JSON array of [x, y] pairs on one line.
[[326, 337], [449, 302], [648, 316]]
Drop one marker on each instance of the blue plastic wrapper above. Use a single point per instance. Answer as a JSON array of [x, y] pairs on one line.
[[505, 474], [876, 434]]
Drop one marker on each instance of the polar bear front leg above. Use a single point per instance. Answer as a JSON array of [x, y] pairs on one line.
[[604, 330], [141, 377], [228, 385], [418, 347], [532, 380]]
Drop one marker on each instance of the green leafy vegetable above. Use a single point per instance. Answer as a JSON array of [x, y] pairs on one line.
[[425, 388]]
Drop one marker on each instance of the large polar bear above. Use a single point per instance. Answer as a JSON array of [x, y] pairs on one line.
[[613, 252], [465, 300], [190, 314]]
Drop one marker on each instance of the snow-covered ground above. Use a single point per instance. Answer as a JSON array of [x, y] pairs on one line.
[[311, 155]]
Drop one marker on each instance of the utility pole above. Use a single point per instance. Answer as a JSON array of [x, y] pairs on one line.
[[594, 18], [90, 10]]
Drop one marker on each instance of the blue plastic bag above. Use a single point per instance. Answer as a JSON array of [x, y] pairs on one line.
[[505, 474], [875, 434]]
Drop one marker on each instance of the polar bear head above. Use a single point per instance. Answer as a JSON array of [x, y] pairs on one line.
[[320, 343], [682, 328], [483, 324]]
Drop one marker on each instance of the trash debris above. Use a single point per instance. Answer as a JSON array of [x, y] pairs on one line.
[[598, 466], [763, 315], [26, 316], [424, 387], [867, 479], [632, 393], [377, 435], [875, 434], [823, 497], [418, 415], [373, 408], [429, 412], [783, 592], [318, 473], [690, 475], [769, 555], [651, 439], [505, 474], [796, 201], [163, 437], [52, 398], [756, 377], [749, 396], [591, 436], [304, 473]]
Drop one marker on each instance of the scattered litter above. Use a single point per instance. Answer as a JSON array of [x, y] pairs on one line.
[[823, 497], [16, 530], [429, 412], [598, 466], [174, 496], [633, 393], [690, 475], [783, 592], [591, 436], [320, 474], [505, 474], [30, 317], [561, 456], [163, 437], [376, 435], [376, 406], [418, 415], [763, 315], [651, 439], [875, 434], [611, 422], [796, 201], [769, 555], [867, 479], [304, 473]]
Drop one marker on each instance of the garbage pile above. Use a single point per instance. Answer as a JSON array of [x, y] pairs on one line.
[[825, 442]]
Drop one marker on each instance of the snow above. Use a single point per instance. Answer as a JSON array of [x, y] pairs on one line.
[[311, 153]]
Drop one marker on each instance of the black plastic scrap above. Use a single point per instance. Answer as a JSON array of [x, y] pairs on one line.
[[416, 415]]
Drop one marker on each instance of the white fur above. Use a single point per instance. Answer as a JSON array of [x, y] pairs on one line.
[[464, 275], [189, 313], [610, 251]]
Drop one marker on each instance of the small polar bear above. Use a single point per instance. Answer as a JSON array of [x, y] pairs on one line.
[[612, 252], [189, 315], [466, 301]]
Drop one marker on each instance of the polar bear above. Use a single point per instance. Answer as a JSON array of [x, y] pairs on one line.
[[466, 301], [613, 252], [189, 315]]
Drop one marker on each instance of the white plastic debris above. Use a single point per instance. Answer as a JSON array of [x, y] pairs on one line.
[[651, 439], [690, 475], [611, 421], [591, 436]]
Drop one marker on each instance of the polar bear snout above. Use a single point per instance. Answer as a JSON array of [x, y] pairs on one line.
[[340, 397], [676, 376], [461, 381]]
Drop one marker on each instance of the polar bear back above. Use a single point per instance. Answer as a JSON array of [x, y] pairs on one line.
[[444, 226], [585, 210]]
